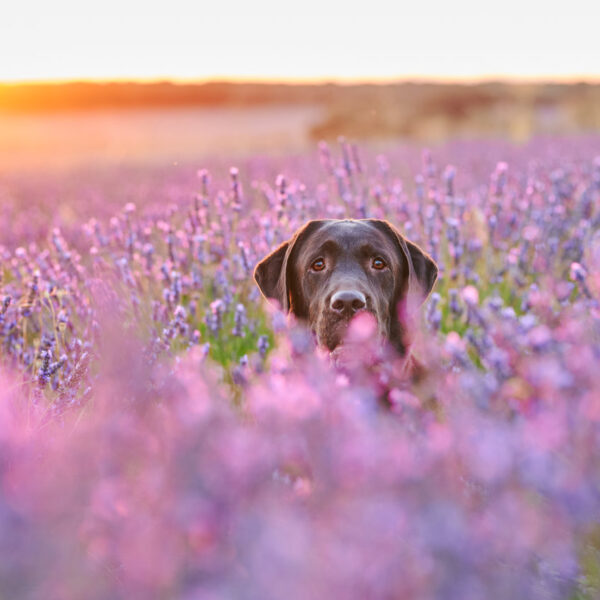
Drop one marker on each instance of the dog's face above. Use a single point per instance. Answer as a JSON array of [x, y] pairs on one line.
[[332, 269]]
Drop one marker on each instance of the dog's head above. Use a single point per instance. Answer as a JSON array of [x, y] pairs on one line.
[[332, 269]]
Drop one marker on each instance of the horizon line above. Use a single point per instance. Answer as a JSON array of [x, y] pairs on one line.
[[417, 79]]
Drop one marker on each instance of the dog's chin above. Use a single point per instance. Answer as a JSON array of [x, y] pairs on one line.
[[334, 336]]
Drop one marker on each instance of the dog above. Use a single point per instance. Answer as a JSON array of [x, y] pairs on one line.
[[332, 269]]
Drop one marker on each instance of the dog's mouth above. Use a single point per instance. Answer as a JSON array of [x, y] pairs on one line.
[[332, 332], [336, 333]]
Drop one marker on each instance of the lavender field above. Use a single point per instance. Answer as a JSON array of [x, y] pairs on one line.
[[165, 433]]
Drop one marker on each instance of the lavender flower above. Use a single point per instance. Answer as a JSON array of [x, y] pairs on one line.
[[263, 345], [240, 320], [210, 462]]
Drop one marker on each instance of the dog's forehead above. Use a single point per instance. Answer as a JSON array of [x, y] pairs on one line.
[[349, 235]]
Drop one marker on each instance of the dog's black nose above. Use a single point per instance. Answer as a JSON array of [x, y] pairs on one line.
[[348, 302]]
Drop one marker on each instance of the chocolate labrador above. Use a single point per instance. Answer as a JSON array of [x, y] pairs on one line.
[[332, 269]]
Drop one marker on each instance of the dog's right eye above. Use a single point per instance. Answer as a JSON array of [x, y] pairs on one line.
[[378, 263], [318, 265]]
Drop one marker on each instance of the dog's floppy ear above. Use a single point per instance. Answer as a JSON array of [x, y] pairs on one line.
[[422, 270], [273, 273], [425, 268], [267, 274]]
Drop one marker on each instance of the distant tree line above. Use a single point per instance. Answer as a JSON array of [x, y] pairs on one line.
[[407, 109]]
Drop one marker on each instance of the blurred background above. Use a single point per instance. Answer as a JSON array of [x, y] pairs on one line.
[[128, 83]]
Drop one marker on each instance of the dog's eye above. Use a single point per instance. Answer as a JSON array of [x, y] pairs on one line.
[[378, 263], [318, 265]]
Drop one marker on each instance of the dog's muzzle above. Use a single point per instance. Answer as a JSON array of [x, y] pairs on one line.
[[332, 323]]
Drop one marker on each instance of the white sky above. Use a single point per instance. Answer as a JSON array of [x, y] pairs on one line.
[[304, 39]]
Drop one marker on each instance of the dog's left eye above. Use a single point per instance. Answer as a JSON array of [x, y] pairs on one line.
[[378, 263], [318, 265]]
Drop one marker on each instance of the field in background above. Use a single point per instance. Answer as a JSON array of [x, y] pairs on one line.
[[49, 126], [152, 136]]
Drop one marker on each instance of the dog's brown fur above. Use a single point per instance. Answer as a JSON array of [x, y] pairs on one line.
[[350, 280]]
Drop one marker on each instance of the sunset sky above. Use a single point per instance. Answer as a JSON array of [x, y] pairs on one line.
[[312, 39]]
